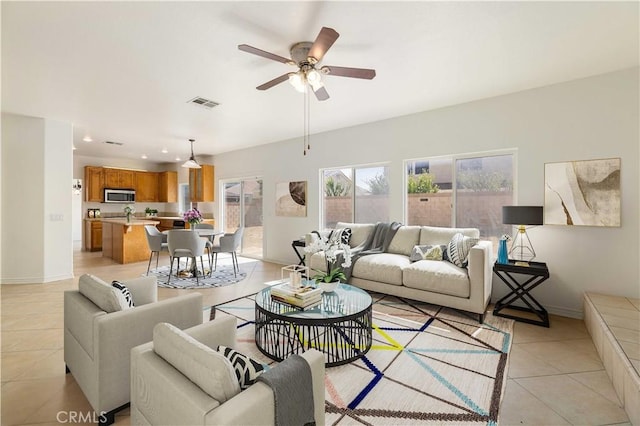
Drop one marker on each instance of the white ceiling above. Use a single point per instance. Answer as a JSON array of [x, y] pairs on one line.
[[124, 71]]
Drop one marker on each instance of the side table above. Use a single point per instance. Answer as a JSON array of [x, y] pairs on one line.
[[533, 275], [294, 245]]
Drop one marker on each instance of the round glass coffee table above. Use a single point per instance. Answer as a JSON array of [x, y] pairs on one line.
[[339, 326]]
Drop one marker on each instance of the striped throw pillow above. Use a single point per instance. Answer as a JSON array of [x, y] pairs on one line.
[[247, 370]]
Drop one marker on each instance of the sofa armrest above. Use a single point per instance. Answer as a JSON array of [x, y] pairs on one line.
[[116, 333], [480, 273], [143, 290], [256, 404]]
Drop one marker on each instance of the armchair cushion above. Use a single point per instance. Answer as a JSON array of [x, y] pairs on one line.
[[100, 293], [143, 290], [210, 370]]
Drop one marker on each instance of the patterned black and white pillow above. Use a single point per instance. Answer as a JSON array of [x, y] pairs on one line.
[[458, 249], [346, 236], [340, 236], [124, 295], [247, 370]]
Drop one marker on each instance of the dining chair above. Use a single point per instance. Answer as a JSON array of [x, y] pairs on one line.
[[210, 239], [229, 243], [186, 243], [157, 242]]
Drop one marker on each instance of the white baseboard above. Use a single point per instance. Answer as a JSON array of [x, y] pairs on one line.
[[36, 280], [565, 312]]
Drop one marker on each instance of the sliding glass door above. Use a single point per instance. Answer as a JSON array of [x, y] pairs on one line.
[[242, 206]]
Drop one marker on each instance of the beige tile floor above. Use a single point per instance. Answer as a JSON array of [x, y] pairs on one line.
[[555, 375]]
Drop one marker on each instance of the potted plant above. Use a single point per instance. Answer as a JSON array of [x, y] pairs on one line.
[[149, 212], [332, 248]]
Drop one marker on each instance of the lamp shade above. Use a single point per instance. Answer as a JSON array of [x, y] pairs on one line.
[[522, 215]]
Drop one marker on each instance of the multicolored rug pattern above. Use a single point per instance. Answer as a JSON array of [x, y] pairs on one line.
[[427, 365]]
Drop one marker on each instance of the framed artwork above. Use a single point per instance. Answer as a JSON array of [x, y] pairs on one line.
[[582, 193], [291, 198]]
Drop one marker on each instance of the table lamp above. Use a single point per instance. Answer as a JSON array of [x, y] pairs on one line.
[[521, 249]]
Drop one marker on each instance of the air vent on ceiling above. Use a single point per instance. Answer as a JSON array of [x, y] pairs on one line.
[[114, 143], [203, 102]]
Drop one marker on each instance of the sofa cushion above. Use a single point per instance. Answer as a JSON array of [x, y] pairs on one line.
[[382, 267], [404, 240], [458, 249], [359, 232], [100, 293], [205, 367], [247, 369], [438, 277], [428, 252], [438, 235]]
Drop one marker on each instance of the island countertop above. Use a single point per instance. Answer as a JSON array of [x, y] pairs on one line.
[[123, 221]]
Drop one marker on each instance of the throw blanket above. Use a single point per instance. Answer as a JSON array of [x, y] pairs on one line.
[[292, 390], [377, 242]]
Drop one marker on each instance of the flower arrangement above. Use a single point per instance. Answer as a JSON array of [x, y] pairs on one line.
[[331, 248], [129, 210], [192, 216]]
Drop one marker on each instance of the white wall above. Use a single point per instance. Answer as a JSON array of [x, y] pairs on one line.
[[36, 200], [590, 118]]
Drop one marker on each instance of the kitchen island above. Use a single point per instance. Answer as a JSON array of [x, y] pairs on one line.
[[125, 242]]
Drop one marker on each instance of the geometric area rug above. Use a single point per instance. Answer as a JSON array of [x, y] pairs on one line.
[[223, 275], [427, 365]]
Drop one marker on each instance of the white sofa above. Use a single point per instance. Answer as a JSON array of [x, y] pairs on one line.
[[437, 282], [99, 335], [162, 393]]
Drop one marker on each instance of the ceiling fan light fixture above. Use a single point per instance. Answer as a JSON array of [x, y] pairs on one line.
[[313, 77], [316, 85], [191, 163], [298, 81]]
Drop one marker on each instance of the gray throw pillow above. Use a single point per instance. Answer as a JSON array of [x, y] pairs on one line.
[[427, 252]]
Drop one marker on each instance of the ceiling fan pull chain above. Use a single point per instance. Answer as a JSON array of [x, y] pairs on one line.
[[305, 137]]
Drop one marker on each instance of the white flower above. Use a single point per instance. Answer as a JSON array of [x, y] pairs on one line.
[[331, 250]]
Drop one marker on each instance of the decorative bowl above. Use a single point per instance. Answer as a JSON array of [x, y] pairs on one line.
[[328, 287]]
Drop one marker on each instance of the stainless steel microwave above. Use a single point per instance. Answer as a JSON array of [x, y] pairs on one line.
[[113, 195]]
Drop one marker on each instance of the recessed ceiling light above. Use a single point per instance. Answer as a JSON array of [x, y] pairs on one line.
[[144, 156], [74, 147], [87, 139], [164, 150], [177, 158]]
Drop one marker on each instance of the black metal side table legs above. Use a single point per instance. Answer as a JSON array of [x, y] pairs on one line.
[[521, 290]]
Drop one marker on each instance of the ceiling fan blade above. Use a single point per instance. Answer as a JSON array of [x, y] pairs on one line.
[[321, 94], [268, 55], [349, 72], [324, 41], [275, 81]]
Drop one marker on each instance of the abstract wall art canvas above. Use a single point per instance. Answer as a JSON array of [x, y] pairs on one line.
[[582, 193], [291, 198]]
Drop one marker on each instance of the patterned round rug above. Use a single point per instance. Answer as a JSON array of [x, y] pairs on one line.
[[222, 276]]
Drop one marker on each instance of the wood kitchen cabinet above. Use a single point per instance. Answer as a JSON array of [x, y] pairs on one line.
[[119, 178], [93, 235], [146, 186], [93, 183], [201, 183], [168, 187]]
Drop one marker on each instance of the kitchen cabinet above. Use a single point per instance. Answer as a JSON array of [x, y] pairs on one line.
[[93, 183], [119, 178], [146, 186], [201, 182], [168, 187], [93, 235]]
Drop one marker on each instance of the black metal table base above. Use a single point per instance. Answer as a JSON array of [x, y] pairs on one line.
[[341, 340], [521, 290]]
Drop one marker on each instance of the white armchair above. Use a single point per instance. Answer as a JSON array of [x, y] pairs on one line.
[[98, 337], [163, 394]]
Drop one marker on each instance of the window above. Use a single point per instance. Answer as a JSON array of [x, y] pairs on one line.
[[355, 194], [461, 191]]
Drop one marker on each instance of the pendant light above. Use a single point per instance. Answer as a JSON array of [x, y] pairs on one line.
[[191, 163]]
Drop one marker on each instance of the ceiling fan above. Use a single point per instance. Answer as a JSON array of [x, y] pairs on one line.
[[306, 56]]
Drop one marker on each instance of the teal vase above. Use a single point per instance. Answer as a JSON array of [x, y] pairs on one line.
[[502, 252]]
